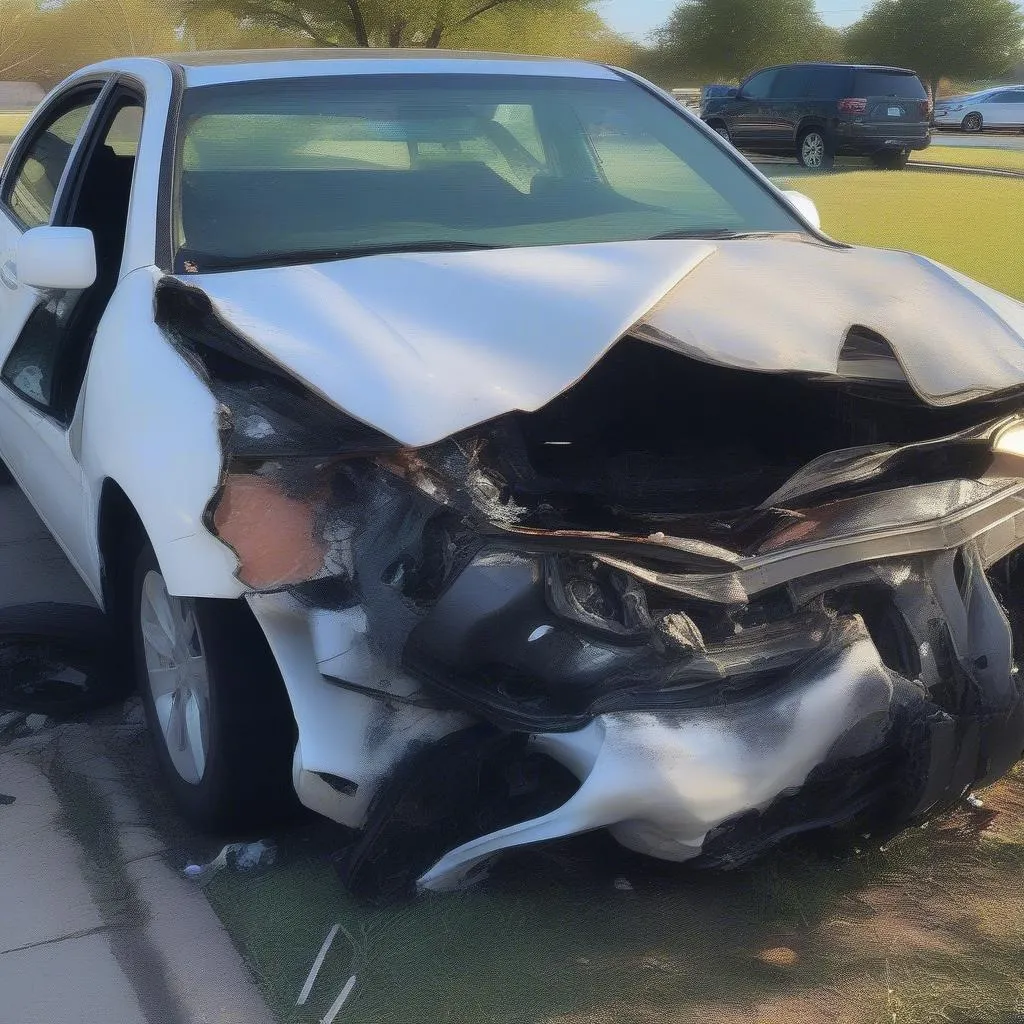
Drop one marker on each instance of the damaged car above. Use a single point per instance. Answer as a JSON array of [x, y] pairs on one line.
[[481, 451]]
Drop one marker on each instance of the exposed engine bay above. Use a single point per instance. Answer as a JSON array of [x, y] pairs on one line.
[[703, 606]]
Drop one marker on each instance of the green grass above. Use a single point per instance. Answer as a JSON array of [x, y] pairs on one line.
[[972, 156], [927, 929], [11, 122], [970, 223]]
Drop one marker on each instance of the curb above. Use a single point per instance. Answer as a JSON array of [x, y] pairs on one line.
[[176, 953], [991, 172]]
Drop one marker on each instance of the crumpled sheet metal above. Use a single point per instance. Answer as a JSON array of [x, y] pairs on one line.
[[662, 782], [422, 346], [955, 339]]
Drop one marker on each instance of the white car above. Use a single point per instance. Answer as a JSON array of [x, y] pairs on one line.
[[1001, 108], [481, 449]]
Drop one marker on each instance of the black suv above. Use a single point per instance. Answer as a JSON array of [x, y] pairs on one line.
[[820, 111]]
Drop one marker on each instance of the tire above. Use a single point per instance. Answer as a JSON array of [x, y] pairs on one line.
[[229, 764], [721, 129], [891, 159], [972, 123], [812, 150]]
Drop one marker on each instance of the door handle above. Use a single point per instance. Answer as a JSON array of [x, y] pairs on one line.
[[9, 274]]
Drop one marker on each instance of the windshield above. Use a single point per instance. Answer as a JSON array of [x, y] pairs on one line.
[[320, 168], [889, 83]]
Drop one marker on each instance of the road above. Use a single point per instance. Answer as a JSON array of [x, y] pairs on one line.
[[986, 141]]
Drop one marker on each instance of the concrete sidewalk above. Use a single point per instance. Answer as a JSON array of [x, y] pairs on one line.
[[95, 925]]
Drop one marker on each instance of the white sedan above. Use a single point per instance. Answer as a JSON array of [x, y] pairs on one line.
[[482, 450], [1001, 108]]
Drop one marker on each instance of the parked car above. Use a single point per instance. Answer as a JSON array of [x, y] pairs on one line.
[[713, 92], [484, 451], [1000, 108], [819, 111]]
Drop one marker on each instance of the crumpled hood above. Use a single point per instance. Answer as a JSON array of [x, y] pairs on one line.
[[421, 346]]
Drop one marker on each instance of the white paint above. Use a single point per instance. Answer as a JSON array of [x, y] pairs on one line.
[[317, 964], [661, 782], [51, 257], [338, 1003], [423, 345], [805, 207]]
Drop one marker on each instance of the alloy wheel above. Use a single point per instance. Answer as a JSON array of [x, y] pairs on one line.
[[177, 675], [812, 150]]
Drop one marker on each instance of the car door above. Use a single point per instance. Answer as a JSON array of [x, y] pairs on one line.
[[45, 335], [1004, 109], [750, 110], [787, 108]]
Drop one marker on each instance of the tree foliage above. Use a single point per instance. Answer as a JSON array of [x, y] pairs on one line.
[[425, 23], [959, 39], [727, 39]]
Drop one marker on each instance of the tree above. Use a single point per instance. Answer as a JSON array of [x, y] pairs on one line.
[[705, 39], [959, 39], [380, 22]]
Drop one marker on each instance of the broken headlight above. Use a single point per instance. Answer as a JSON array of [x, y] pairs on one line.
[[596, 595]]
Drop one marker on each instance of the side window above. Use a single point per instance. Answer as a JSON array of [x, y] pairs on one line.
[[759, 87], [32, 188], [790, 83], [828, 83], [47, 363], [1007, 97]]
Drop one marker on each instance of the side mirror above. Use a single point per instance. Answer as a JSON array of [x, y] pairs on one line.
[[804, 206], [732, 94], [51, 257]]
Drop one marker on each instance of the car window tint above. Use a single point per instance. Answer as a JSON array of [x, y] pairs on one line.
[[1007, 97], [828, 83], [519, 121], [273, 169], [790, 83], [759, 87], [888, 83], [33, 187]]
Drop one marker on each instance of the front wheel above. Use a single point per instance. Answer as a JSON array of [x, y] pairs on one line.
[[215, 703], [972, 123], [891, 159], [812, 151]]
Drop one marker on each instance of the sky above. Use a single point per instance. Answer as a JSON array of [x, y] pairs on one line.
[[638, 17]]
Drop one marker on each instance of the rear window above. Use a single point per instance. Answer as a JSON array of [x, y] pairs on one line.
[[888, 83]]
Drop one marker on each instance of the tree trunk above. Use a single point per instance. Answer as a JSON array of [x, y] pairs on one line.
[[434, 40], [358, 22], [396, 31]]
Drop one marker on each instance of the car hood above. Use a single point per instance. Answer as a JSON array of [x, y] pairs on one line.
[[421, 346]]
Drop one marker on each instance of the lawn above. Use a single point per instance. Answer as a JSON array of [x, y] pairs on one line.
[[11, 122], [970, 223], [928, 928], [972, 156]]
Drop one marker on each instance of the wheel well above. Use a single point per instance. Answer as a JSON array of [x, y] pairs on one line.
[[808, 126], [120, 537]]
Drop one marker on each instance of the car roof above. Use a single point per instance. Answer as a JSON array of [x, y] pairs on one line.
[[222, 66], [833, 64]]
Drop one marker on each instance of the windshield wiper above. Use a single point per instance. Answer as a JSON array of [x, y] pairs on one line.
[[203, 262], [710, 233]]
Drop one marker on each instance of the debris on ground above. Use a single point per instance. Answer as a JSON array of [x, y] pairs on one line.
[[975, 801], [335, 1009], [238, 857], [778, 956], [55, 661], [317, 964], [6, 799], [623, 884]]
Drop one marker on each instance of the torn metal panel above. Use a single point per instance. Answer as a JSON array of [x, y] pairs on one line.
[[424, 346]]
